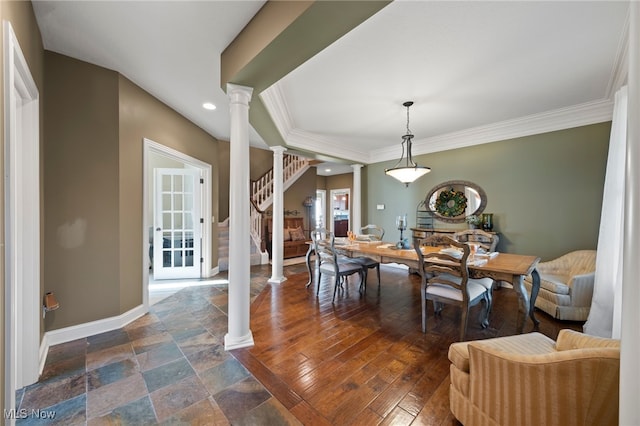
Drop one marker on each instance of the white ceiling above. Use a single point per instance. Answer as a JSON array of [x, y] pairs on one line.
[[477, 71]]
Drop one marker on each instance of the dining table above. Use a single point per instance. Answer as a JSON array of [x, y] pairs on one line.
[[509, 267]]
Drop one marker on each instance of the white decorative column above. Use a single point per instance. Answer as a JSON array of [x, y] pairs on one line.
[[356, 199], [629, 335], [277, 243], [239, 334]]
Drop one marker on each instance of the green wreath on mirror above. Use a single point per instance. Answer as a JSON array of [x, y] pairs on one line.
[[451, 203]]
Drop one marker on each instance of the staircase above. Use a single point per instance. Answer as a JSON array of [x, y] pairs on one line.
[[223, 248], [261, 199]]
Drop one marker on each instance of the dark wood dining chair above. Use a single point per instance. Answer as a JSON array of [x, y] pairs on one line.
[[331, 263], [445, 279], [488, 242]]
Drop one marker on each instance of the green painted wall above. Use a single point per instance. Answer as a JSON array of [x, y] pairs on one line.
[[545, 191]]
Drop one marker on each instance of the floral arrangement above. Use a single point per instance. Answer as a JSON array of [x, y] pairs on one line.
[[474, 220]]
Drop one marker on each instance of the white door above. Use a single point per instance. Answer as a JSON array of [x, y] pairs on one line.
[[177, 224]]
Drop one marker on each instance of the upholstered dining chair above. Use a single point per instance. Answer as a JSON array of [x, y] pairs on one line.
[[486, 241], [445, 279], [374, 232], [330, 263]]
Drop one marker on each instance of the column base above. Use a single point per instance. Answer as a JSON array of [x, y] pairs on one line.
[[231, 343], [277, 280]]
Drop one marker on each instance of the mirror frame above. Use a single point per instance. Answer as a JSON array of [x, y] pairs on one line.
[[451, 183]]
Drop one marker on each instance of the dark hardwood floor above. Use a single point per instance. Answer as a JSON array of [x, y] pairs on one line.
[[363, 359]]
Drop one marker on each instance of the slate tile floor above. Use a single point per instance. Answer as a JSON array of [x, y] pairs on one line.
[[167, 367]]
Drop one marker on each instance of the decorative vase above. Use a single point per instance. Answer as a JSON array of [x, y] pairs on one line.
[[487, 221]]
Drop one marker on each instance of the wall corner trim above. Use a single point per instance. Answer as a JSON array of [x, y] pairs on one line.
[[68, 334]]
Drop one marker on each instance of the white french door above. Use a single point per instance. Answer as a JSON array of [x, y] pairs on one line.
[[177, 237]]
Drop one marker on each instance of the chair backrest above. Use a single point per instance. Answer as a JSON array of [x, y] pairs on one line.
[[439, 265], [373, 231], [321, 237], [487, 241], [323, 244]]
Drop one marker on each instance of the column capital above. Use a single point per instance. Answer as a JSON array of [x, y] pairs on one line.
[[357, 166], [278, 149], [235, 92]]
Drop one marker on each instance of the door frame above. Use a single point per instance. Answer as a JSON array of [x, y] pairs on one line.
[[206, 172], [22, 275], [332, 194], [321, 198]]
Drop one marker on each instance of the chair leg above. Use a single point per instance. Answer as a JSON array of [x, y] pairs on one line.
[[489, 300], [423, 296], [363, 280], [463, 323], [437, 308], [319, 279], [378, 268], [335, 288], [485, 320]]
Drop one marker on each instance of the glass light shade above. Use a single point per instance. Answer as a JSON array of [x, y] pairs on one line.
[[407, 175]]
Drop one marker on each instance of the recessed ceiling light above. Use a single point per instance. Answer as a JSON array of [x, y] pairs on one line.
[[209, 106], [327, 170]]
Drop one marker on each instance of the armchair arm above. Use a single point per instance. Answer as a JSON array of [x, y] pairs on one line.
[[559, 388], [570, 339], [582, 289]]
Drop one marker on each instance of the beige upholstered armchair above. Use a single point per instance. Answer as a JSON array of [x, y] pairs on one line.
[[529, 379], [566, 285]]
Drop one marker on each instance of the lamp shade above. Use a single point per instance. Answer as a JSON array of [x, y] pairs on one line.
[[407, 175]]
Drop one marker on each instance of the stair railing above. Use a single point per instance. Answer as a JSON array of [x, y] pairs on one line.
[[262, 193], [262, 188]]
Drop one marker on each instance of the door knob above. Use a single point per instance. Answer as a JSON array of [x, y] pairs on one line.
[[158, 229]]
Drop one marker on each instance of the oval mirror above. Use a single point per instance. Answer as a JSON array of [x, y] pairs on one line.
[[454, 200]]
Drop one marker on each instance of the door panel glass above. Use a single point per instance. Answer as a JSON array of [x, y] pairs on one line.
[[166, 183], [177, 202], [177, 221], [166, 202]]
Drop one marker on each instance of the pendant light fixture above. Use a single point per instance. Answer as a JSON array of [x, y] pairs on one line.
[[408, 171]]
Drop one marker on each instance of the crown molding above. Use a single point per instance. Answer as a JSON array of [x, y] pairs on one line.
[[620, 70], [324, 145], [563, 118], [550, 121]]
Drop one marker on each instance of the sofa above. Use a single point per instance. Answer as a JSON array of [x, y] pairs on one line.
[[566, 285], [295, 243], [529, 379]]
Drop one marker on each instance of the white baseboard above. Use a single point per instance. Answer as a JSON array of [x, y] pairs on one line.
[[68, 334], [214, 271]]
